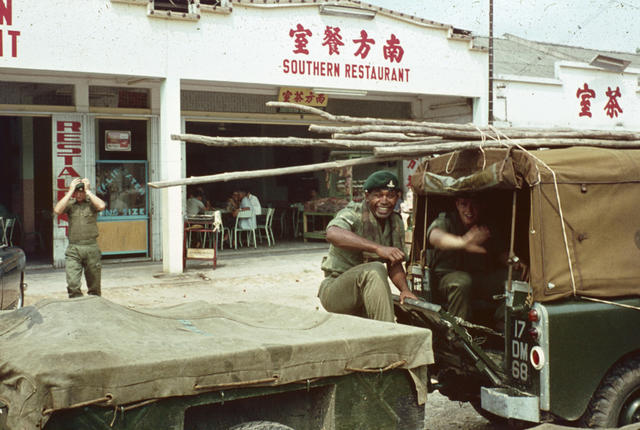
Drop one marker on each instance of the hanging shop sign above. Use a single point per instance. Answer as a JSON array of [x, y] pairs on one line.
[[302, 96]]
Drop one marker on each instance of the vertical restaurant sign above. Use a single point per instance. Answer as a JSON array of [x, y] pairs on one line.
[[8, 35], [358, 55], [302, 96], [68, 156]]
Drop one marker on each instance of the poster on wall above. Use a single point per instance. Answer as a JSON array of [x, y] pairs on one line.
[[117, 140], [122, 185]]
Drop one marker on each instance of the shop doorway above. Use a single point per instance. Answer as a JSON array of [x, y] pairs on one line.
[[26, 184], [121, 181], [279, 192]]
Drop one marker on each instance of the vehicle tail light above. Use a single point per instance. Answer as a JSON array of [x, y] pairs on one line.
[[533, 315], [537, 357], [533, 332]]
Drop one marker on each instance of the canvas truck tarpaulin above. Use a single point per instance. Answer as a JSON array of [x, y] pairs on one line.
[[61, 353], [596, 191]]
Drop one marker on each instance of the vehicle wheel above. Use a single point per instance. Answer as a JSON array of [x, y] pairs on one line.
[[260, 425], [20, 302], [499, 421], [616, 402], [492, 418]]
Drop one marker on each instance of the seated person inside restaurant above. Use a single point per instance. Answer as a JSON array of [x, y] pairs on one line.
[[195, 203], [367, 242], [249, 202], [468, 262]]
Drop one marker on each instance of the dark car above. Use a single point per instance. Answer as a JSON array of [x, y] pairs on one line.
[[12, 263]]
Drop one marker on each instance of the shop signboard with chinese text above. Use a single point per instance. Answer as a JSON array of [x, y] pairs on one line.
[[302, 96], [355, 55]]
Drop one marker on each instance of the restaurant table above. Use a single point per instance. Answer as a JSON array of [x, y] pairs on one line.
[[315, 234], [204, 224]]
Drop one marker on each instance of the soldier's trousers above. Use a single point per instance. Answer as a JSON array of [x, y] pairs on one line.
[[79, 258], [459, 288], [362, 290]]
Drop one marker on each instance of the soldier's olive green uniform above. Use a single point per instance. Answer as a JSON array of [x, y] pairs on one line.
[[461, 276], [356, 282], [83, 252]]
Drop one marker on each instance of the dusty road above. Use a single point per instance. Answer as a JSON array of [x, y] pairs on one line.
[[289, 276]]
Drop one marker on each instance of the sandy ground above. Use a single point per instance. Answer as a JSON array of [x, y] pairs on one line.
[[289, 277]]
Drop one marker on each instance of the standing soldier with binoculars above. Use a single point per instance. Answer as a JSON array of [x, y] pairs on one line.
[[83, 253]]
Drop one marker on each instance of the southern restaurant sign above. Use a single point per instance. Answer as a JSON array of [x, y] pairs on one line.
[[358, 55], [8, 34]]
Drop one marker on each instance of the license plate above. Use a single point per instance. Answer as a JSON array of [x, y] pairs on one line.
[[518, 351]]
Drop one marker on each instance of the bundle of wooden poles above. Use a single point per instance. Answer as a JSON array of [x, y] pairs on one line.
[[391, 140]]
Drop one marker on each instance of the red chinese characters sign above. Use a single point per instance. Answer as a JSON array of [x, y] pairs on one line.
[[302, 96], [8, 36], [612, 107], [353, 48]]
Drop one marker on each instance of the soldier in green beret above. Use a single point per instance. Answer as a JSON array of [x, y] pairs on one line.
[[367, 242]]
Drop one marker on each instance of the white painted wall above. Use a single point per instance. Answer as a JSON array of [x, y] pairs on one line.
[[246, 46], [535, 102], [81, 42]]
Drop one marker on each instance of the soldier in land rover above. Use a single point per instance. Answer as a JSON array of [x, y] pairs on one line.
[[469, 259]]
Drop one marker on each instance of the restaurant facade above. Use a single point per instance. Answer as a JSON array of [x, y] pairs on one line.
[[96, 89]]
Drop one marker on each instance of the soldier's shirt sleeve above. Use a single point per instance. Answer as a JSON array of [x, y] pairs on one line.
[[345, 219], [442, 222]]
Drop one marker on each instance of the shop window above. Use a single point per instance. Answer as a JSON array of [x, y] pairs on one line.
[[28, 93], [173, 5], [118, 97], [181, 9]]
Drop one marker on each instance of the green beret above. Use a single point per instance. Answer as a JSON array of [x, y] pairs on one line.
[[382, 179]]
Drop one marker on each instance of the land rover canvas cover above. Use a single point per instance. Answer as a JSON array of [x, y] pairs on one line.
[[89, 363], [568, 344]]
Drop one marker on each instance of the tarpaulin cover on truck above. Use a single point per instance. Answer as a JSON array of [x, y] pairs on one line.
[[59, 354], [598, 191]]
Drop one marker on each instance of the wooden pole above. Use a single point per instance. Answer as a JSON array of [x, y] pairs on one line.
[[234, 176], [438, 148], [385, 137], [479, 134], [297, 142]]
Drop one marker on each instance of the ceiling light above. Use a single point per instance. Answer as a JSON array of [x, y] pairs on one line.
[[340, 92], [352, 12]]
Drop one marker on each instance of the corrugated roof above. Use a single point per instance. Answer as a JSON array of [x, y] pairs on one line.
[[517, 56]]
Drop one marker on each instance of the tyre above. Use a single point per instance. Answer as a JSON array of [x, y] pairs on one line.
[[498, 421], [494, 419], [616, 402], [20, 300], [260, 425]]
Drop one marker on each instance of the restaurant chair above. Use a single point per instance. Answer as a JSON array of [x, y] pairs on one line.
[[267, 227], [238, 229], [221, 229]]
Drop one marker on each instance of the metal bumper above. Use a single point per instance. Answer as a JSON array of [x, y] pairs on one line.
[[507, 403]]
